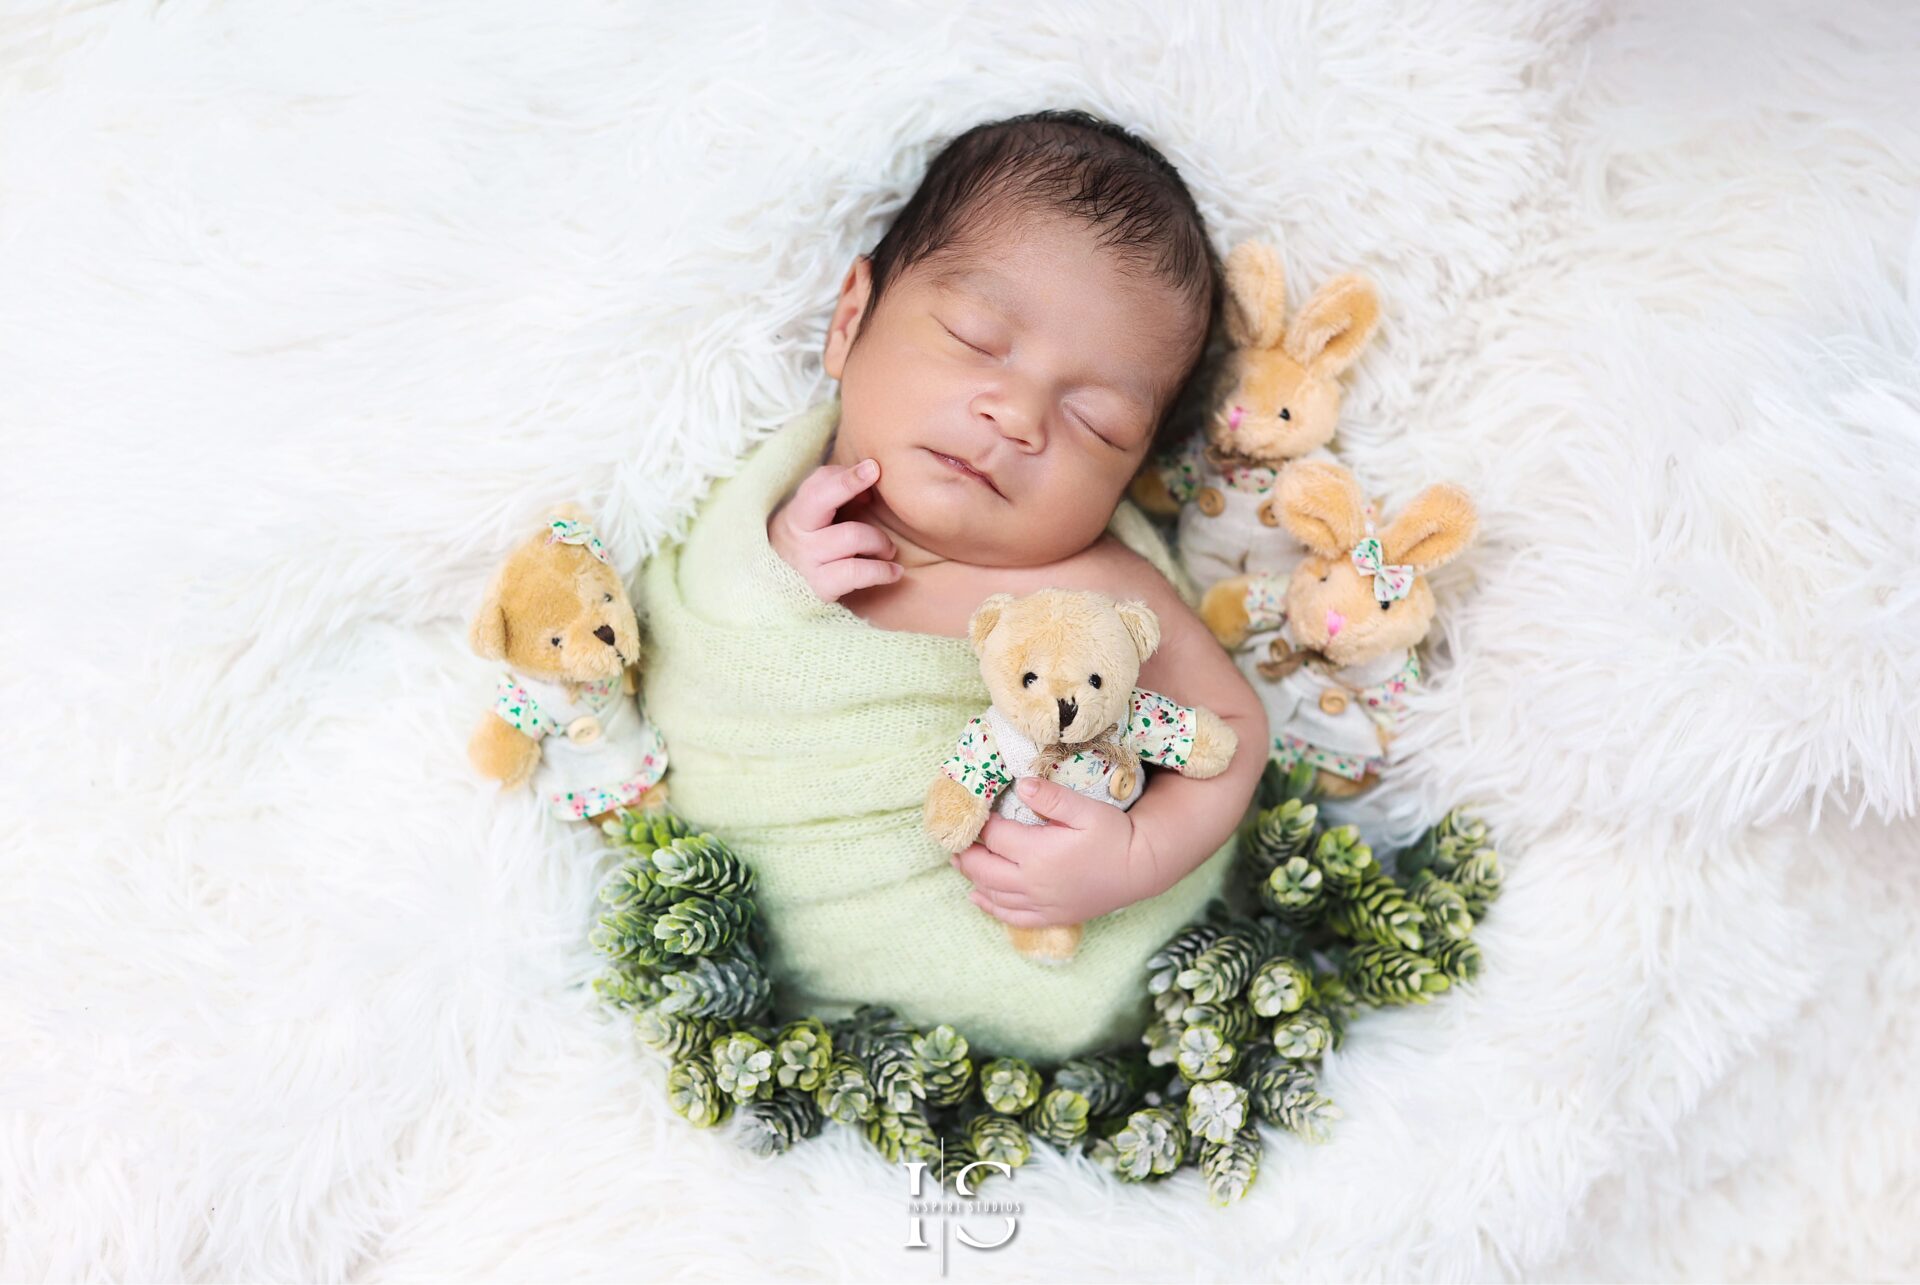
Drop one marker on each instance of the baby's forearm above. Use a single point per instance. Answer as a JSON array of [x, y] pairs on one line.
[[1180, 822]]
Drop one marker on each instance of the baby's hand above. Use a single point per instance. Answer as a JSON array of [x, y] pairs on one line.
[[834, 558], [1080, 866]]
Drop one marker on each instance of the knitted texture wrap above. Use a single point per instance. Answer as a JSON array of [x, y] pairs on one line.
[[806, 738]]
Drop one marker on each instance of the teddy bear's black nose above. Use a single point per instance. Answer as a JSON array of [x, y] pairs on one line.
[[1067, 710], [605, 634]]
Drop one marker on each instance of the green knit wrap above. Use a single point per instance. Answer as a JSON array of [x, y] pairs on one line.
[[808, 738]]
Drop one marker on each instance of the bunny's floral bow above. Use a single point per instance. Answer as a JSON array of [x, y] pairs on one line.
[[567, 531], [1390, 581]]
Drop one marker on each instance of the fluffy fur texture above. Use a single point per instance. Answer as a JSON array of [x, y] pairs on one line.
[[305, 313]]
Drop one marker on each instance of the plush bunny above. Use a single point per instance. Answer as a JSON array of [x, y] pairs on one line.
[[1060, 666], [557, 613], [1333, 644], [1280, 402]]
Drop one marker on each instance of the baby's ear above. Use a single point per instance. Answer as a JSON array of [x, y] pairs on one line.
[[1256, 295], [1142, 626], [1321, 505], [487, 635], [1432, 530], [1334, 325], [985, 617]]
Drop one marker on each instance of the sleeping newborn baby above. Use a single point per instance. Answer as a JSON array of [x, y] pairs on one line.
[[1006, 357]]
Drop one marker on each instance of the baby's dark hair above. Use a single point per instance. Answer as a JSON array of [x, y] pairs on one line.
[[1078, 164]]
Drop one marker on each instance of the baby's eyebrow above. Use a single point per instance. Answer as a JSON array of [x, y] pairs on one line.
[[997, 290]]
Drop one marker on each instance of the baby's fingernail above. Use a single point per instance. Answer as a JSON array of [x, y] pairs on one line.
[[867, 469], [1026, 786]]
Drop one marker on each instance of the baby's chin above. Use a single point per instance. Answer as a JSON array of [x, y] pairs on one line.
[[979, 530]]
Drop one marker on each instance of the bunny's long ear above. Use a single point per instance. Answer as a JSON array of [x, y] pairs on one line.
[[1256, 296], [487, 635], [985, 617], [1322, 506], [1142, 626], [1334, 325], [1434, 527]]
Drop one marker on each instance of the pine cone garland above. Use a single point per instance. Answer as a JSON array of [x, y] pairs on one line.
[[1205, 1053], [1060, 1117], [1216, 1110], [945, 1067], [904, 1135], [1009, 1085], [845, 1094], [1111, 1081], [1458, 960], [1478, 878], [1303, 1037], [702, 864], [1448, 918], [1389, 975], [1165, 965], [1152, 1143], [1343, 859], [999, 1137], [1379, 911], [702, 925], [802, 1053], [675, 1035], [693, 1091], [743, 1067], [775, 1124], [731, 985], [1283, 1094], [1280, 834], [1294, 891], [1281, 986]]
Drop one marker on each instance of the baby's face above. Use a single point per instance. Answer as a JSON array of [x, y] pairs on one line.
[[1009, 395]]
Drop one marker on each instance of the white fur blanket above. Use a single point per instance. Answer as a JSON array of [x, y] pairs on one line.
[[305, 311]]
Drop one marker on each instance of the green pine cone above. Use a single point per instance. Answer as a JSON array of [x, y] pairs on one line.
[[999, 1137], [1379, 911], [1153, 1142], [904, 1135], [945, 1066], [774, 1125], [702, 925], [718, 986], [1389, 975], [802, 1053], [1448, 918], [631, 884], [1281, 986], [1459, 960], [1171, 1003], [1162, 1038], [675, 1035], [1060, 1117], [1294, 891], [1165, 965], [1233, 1019], [1280, 834], [1009, 1085], [1478, 878], [743, 1066], [646, 831], [1304, 1036], [1205, 1053], [1283, 1094], [1445, 844], [1216, 1110], [885, 1048], [1343, 859], [627, 935], [845, 1094], [1110, 1081], [1230, 1167], [693, 1091], [1220, 972], [626, 985], [702, 864]]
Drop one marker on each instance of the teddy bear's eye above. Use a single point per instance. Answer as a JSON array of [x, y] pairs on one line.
[[1385, 605], [1093, 680], [1285, 413], [606, 597], [1027, 680], [555, 640]]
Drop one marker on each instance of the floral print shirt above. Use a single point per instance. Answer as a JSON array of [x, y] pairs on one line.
[[1158, 729]]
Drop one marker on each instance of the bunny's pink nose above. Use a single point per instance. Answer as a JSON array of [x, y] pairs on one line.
[[1335, 622], [1234, 416]]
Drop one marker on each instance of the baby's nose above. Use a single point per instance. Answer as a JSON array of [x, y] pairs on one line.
[[605, 634]]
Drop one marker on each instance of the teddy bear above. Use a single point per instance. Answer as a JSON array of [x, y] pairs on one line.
[[1334, 643], [1061, 666], [1280, 402], [565, 713]]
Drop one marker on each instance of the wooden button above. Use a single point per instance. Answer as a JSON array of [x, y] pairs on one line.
[[584, 730], [1209, 501], [1332, 702], [1268, 517]]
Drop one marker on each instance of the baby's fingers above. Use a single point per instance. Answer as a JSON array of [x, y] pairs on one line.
[[824, 490], [849, 540], [834, 580]]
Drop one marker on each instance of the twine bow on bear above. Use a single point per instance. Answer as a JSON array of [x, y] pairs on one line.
[[568, 531], [1391, 582]]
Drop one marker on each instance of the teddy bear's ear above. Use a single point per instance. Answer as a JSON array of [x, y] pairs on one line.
[[1329, 332], [487, 635], [1322, 506], [1256, 296], [1142, 626], [1434, 527], [985, 617]]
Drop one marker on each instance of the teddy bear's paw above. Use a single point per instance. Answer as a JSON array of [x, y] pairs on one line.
[[953, 815], [1213, 746], [1054, 944], [1224, 609], [1149, 491]]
